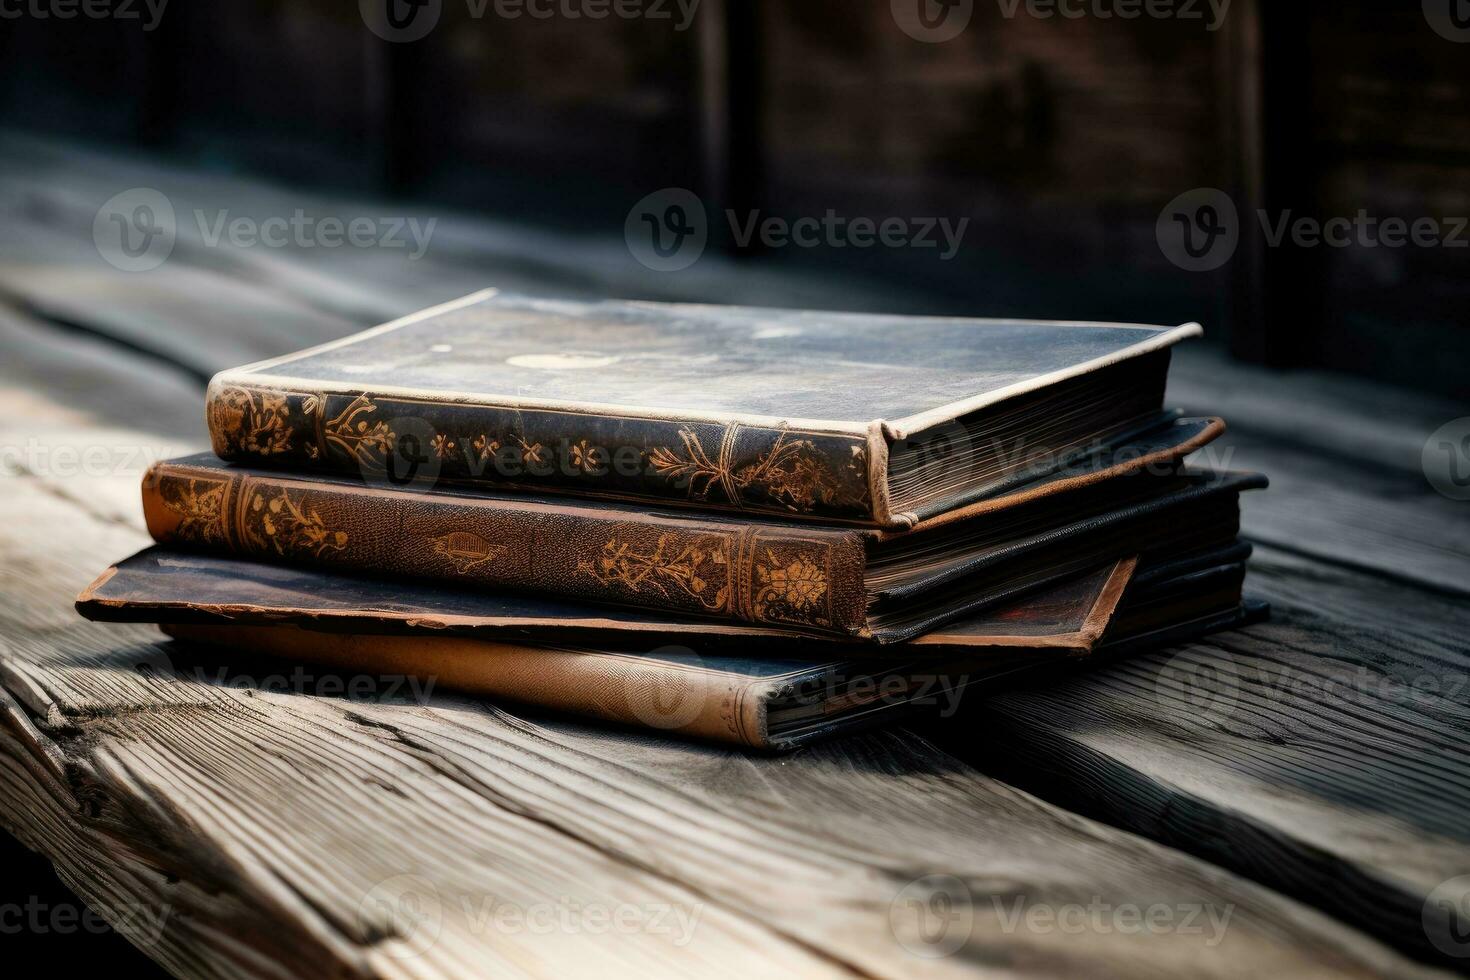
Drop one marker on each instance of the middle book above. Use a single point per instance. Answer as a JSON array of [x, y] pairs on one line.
[[861, 583]]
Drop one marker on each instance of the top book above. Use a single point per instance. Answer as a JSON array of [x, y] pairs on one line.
[[885, 421]]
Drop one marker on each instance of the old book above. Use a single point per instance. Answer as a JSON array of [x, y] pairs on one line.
[[875, 420], [864, 583], [784, 698], [164, 584]]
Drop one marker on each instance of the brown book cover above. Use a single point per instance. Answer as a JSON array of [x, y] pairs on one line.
[[789, 695], [875, 420], [163, 584], [860, 583]]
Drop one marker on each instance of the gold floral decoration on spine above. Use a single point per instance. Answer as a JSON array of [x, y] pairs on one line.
[[789, 589], [699, 569], [355, 433], [792, 472], [274, 520], [255, 422], [201, 511]]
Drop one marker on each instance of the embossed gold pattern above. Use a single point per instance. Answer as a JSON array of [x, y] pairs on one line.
[[201, 510], [272, 519], [798, 585], [792, 472], [253, 422], [362, 438], [698, 569], [466, 550]]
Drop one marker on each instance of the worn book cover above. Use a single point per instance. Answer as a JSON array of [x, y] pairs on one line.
[[871, 584], [877, 420], [703, 688]]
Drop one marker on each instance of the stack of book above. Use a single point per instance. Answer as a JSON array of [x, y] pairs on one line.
[[744, 524]]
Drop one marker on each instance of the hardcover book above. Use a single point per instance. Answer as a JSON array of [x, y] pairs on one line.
[[166, 585], [866, 583], [875, 420], [792, 694]]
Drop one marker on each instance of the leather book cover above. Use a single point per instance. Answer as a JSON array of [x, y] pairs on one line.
[[875, 420], [782, 699], [885, 586], [163, 584]]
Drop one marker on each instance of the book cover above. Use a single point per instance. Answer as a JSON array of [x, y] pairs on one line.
[[876, 420], [862, 583], [787, 696]]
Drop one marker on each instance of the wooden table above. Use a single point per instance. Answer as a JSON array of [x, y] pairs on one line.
[[1279, 801]]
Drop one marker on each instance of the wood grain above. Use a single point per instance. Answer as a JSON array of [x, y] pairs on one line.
[[1324, 753], [290, 831], [275, 832]]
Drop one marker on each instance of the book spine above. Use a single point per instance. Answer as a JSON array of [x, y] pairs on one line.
[[629, 689], [810, 579], [758, 469]]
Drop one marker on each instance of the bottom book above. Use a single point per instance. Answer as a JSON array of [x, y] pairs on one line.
[[756, 692]]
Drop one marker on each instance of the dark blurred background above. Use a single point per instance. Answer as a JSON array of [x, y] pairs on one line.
[[1063, 138]]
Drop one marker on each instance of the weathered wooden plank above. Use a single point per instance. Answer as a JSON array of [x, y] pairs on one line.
[[134, 744], [287, 831], [273, 831], [281, 298], [1357, 516], [1323, 753], [1345, 461], [85, 419], [1318, 412]]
